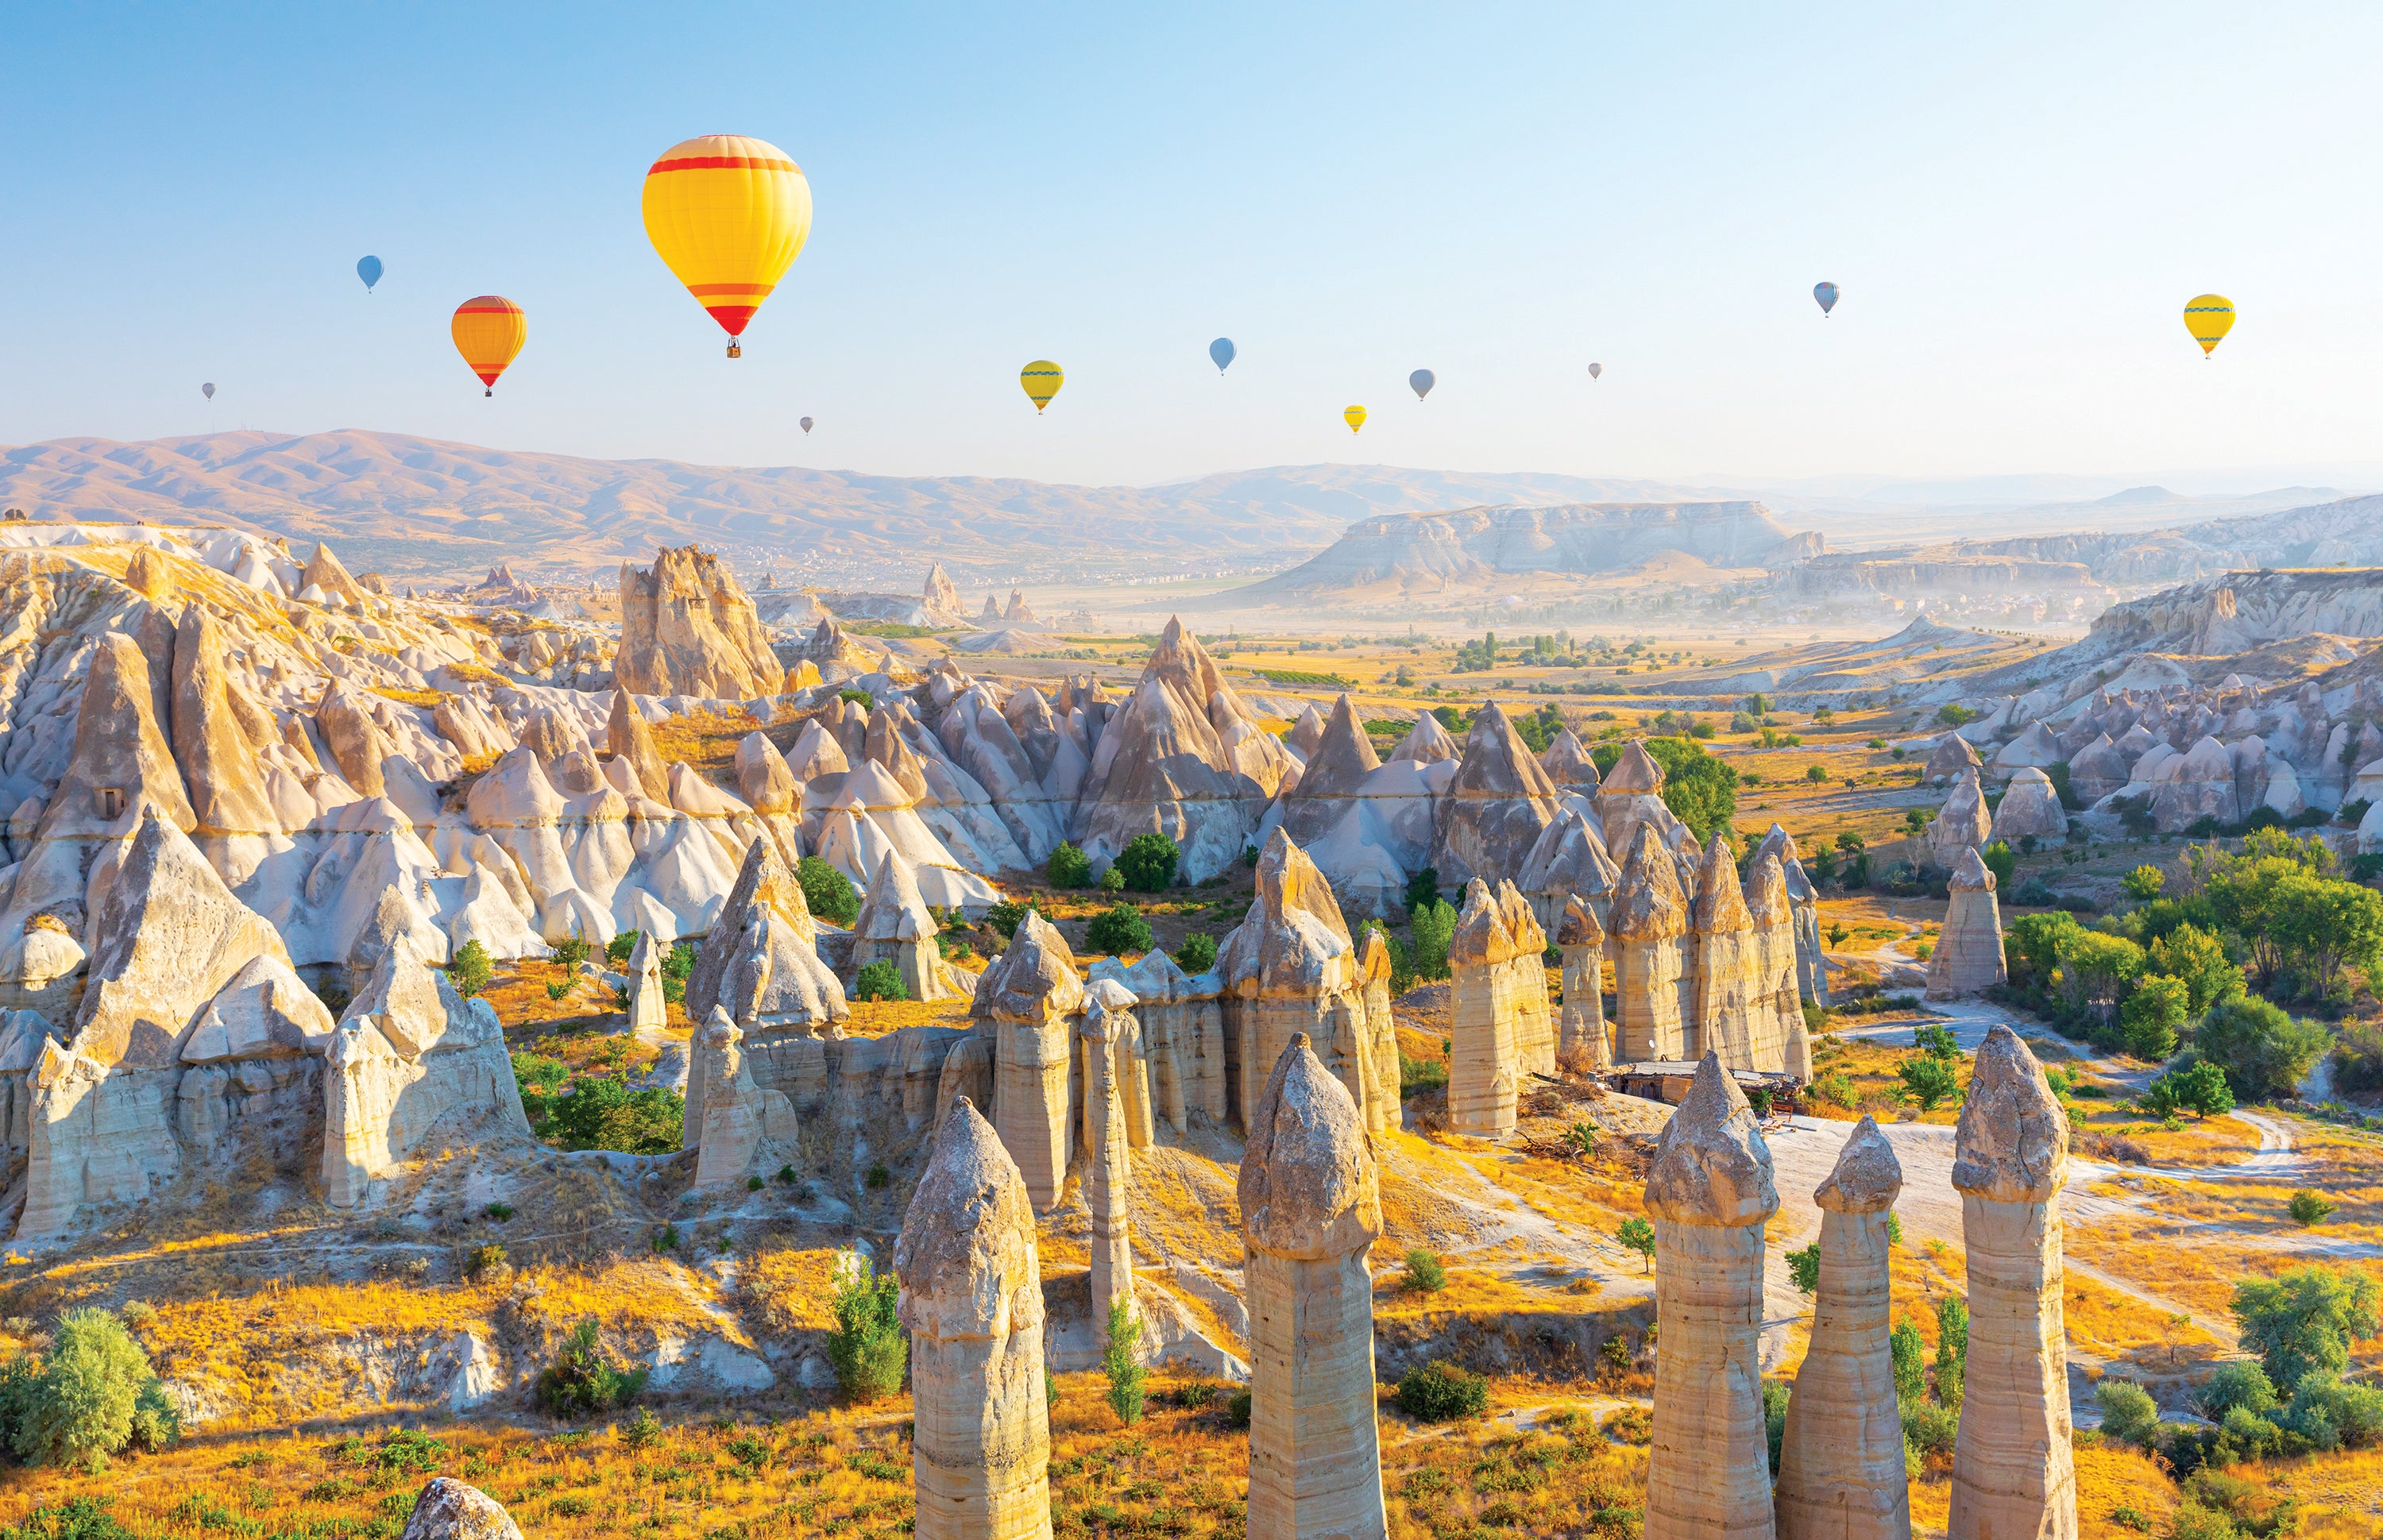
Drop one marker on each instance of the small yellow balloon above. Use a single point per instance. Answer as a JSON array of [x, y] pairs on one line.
[[1041, 379], [2209, 317], [1354, 417]]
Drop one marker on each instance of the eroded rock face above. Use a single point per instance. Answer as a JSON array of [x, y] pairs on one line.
[[1291, 966], [1953, 756], [894, 926], [1841, 1465], [1727, 992], [1775, 1032], [1804, 903], [1633, 795], [1648, 920], [1963, 824], [1969, 955], [1107, 1180], [688, 629], [1582, 1045], [1311, 1207], [1495, 810], [1710, 1191], [2013, 1472], [1029, 995], [2030, 805], [972, 1298], [1485, 1061]]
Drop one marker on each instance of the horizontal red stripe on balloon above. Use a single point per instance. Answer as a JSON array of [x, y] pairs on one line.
[[473, 307], [724, 163]]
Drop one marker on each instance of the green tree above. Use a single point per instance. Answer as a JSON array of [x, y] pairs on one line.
[[471, 970], [1432, 929], [2129, 1413], [2144, 883], [1118, 930], [1422, 1272], [1639, 1235], [2032, 947], [1804, 1266], [1068, 867], [2153, 1015], [2192, 953], [1952, 1349], [2326, 924], [1928, 1080], [1421, 890], [1147, 863], [1937, 1041], [2096, 972], [2198, 1089], [601, 1111], [1198, 952], [1909, 1354], [880, 980], [2263, 1051], [91, 1396], [583, 1380], [1699, 788], [869, 1346], [1121, 1362], [2000, 860], [2245, 894], [2304, 1321], [828, 891], [1816, 773], [1441, 1392], [2309, 1207]]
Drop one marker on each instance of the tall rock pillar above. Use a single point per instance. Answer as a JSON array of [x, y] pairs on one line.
[[1582, 1047], [1650, 915], [1812, 968], [1727, 990], [1311, 1207], [1969, 955], [1710, 1191], [1030, 994], [1535, 1026], [1382, 1107], [1105, 1193], [1483, 1057], [972, 1298], [1777, 1020], [2013, 1474], [1841, 1473]]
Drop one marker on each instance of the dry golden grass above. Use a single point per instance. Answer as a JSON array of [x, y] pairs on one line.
[[875, 1018], [426, 699], [706, 740], [2112, 1476], [1869, 1067]]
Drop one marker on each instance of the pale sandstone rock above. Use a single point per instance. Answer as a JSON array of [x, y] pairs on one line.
[[1953, 756], [1727, 996], [1632, 795], [2032, 806], [649, 1008], [1649, 917], [356, 740], [972, 1298], [1584, 1045], [2012, 1472], [1306, 732], [1291, 966], [630, 739], [747, 1126], [1183, 1027], [1568, 764], [1569, 860], [1382, 1106], [2034, 748], [1775, 1023], [894, 926], [1426, 743], [688, 628], [1106, 1185], [2096, 770], [1969, 955], [1964, 823], [1709, 1190], [216, 757], [1841, 1470], [148, 576], [1495, 810], [1804, 900], [1311, 1209], [1029, 995], [324, 572], [1484, 1070], [448, 1510]]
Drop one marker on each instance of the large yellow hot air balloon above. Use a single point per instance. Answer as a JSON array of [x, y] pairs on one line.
[[488, 332], [2209, 317], [1354, 417], [729, 215], [1041, 379]]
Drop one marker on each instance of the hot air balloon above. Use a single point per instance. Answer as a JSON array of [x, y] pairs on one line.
[[490, 332], [1827, 294], [806, 425], [1594, 370], [1041, 379], [369, 269], [208, 390], [1422, 381], [1354, 417], [1221, 350], [2209, 317], [728, 214]]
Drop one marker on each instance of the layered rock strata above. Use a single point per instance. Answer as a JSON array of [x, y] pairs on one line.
[[1804, 901], [1776, 1038], [1583, 1046], [1969, 955], [1497, 806], [1485, 1059], [1649, 919], [1106, 1185], [688, 629], [1311, 1209]]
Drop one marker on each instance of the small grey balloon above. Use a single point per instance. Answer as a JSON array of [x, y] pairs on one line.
[[806, 425], [208, 390]]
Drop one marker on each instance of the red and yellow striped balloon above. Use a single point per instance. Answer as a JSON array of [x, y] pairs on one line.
[[728, 214], [489, 331]]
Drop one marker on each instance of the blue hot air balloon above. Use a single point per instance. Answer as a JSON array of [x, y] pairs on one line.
[[368, 268], [1827, 294], [1221, 350], [1420, 381]]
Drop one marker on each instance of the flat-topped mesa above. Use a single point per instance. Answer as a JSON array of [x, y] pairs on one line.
[[1643, 935], [1569, 765], [972, 1298], [1582, 1045], [1727, 990], [1841, 1461], [895, 926], [1290, 967], [1633, 795], [1484, 1068], [688, 629], [1777, 1038], [1710, 1191], [1812, 968], [1963, 824], [1107, 1183], [1029, 995], [1969, 955], [1311, 1207], [1494, 808], [1569, 860], [2013, 1469]]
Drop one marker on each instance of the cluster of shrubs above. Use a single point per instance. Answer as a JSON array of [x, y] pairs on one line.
[[1147, 864], [595, 1109], [91, 1396]]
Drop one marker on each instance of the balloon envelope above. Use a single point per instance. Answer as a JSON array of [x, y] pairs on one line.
[[208, 390], [1422, 380], [1221, 350], [1827, 294], [369, 269], [2209, 317], [806, 425], [1355, 417], [728, 216], [488, 332], [1594, 370], [1041, 379]]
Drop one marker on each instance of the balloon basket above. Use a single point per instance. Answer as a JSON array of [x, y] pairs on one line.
[[735, 351]]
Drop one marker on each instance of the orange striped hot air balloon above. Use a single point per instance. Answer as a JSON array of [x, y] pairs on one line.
[[490, 332], [728, 214]]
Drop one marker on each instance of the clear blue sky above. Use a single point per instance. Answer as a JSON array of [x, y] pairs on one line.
[[2017, 200]]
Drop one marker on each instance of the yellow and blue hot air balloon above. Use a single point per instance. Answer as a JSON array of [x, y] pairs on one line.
[[1041, 380], [2209, 317], [1355, 417], [728, 216], [1221, 350]]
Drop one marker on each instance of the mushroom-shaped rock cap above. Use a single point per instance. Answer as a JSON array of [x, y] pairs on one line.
[[1719, 904], [1308, 1188], [1481, 934], [1578, 927], [1373, 956], [1648, 903], [1767, 903], [1867, 1178], [1635, 773], [451, 1509], [966, 1254], [2012, 1144], [1711, 1164], [1972, 872], [1034, 977]]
